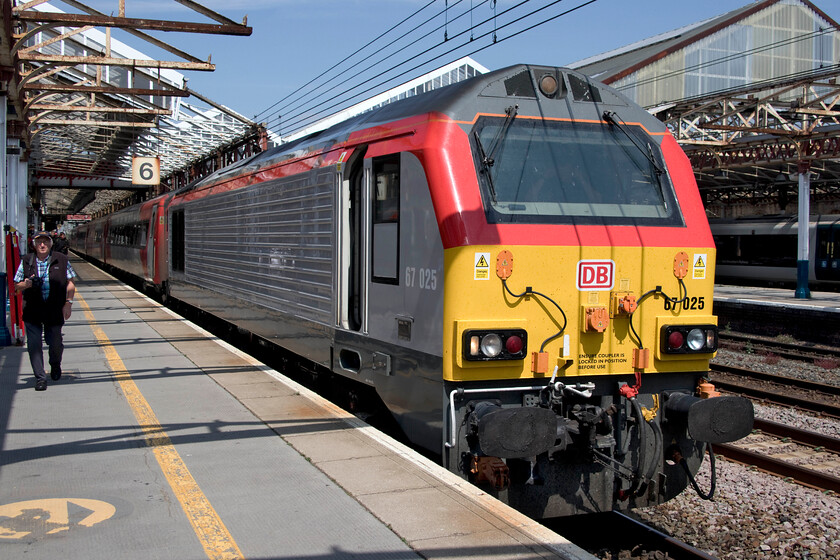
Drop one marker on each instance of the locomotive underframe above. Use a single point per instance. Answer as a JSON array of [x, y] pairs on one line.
[[598, 461]]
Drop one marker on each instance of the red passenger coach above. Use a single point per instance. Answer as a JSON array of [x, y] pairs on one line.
[[519, 264], [129, 240]]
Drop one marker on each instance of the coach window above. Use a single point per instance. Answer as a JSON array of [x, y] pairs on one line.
[[386, 219]]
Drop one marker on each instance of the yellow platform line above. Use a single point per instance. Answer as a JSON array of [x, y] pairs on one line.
[[208, 526]]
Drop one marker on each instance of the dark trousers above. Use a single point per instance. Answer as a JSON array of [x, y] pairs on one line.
[[52, 335]]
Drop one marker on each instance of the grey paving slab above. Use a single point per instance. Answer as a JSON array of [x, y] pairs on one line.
[[333, 445], [374, 475], [421, 510], [488, 544], [266, 389], [57, 446], [241, 375]]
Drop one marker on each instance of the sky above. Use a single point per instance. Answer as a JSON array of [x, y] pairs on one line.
[[296, 41]]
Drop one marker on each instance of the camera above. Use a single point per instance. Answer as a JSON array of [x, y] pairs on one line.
[[36, 281]]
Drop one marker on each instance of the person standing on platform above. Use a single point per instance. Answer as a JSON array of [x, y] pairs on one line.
[[60, 244], [46, 279]]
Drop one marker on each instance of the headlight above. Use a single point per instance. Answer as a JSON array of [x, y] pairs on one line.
[[696, 339], [491, 345]]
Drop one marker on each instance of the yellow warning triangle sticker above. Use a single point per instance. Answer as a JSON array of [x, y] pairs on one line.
[[482, 262], [699, 262]]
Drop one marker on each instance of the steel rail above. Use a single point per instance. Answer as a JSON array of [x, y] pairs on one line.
[[780, 379], [802, 475], [624, 534], [795, 350], [776, 398], [796, 435]]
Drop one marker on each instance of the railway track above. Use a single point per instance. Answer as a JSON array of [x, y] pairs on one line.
[[802, 351], [787, 391], [616, 535], [808, 458]]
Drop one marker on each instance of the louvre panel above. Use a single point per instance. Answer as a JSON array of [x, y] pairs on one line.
[[283, 237]]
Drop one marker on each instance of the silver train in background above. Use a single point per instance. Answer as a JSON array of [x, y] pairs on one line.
[[764, 250]]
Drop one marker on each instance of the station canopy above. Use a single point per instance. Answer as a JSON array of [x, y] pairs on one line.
[[83, 103], [752, 96]]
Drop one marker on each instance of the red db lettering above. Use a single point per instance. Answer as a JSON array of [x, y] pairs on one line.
[[595, 274], [603, 274]]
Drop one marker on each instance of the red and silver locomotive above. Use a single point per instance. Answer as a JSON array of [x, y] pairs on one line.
[[519, 264]]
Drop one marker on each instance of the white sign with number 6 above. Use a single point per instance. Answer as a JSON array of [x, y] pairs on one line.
[[145, 171]]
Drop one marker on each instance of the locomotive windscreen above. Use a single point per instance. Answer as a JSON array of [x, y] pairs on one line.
[[536, 171]]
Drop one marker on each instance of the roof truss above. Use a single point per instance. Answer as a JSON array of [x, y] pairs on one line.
[[82, 107], [751, 143]]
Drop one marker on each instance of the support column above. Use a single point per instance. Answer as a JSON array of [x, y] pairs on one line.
[[803, 262], [4, 187]]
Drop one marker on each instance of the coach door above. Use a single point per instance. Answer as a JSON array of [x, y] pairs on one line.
[[827, 253], [353, 243], [151, 252]]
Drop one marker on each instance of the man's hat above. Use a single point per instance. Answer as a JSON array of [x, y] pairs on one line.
[[41, 234]]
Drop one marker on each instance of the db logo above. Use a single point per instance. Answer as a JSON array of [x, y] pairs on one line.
[[595, 275]]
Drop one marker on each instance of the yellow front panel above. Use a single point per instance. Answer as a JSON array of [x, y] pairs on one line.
[[475, 296]]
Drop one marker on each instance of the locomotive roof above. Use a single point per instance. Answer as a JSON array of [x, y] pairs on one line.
[[497, 90]]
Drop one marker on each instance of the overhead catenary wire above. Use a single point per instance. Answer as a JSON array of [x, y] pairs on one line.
[[296, 118], [325, 92], [345, 59], [408, 59], [331, 108]]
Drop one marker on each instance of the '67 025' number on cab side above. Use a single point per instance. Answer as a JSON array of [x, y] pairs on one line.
[[423, 278], [688, 303]]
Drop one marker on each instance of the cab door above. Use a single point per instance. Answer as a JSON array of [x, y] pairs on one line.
[[353, 243]]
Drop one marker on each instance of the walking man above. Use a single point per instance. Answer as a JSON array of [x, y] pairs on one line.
[[46, 279]]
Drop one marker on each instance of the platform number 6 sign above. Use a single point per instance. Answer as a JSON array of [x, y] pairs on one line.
[[145, 171]]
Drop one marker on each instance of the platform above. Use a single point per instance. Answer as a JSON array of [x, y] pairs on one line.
[[160, 441], [778, 297], [776, 311]]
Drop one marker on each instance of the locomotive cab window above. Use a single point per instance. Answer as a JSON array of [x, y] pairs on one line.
[[386, 219], [534, 171]]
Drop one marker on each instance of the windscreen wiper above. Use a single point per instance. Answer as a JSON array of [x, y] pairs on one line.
[[612, 118], [486, 164], [497, 140], [487, 159]]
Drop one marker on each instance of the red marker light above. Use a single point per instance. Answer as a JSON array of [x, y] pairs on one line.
[[513, 344], [675, 340]]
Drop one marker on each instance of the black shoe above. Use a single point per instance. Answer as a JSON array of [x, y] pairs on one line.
[[40, 385], [55, 373]]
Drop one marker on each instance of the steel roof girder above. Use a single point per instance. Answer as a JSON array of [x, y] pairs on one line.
[[71, 20]]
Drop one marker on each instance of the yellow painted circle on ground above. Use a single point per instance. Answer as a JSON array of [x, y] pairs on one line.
[[50, 516]]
